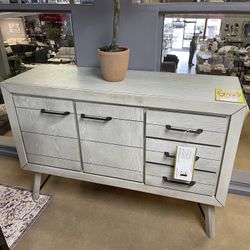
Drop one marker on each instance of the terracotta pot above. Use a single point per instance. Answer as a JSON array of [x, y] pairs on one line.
[[114, 65]]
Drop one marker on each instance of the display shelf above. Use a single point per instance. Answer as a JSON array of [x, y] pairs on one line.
[[36, 7], [200, 7]]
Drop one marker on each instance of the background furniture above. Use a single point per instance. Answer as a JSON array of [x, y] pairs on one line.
[[168, 67], [72, 123]]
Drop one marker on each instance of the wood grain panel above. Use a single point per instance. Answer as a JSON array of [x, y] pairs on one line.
[[32, 120], [43, 103], [54, 162], [188, 121], [122, 132], [201, 164], [112, 155], [206, 137], [199, 176], [52, 146], [207, 152], [114, 172], [120, 112], [198, 188]]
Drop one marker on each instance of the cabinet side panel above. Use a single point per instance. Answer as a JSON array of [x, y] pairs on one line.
[[229, 155], [11, 110]]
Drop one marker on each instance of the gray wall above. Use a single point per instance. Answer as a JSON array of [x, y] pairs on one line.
[[139, 31]]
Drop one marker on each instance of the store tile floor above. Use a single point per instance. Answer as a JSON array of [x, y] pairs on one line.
[[183, 56], [92, 217]]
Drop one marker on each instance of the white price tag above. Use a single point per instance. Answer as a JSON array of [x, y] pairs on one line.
[[184, 163]]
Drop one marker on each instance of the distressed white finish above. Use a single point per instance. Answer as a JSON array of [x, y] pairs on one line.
[[124, 184], [36, 186], [188, 121], [15, 126], [119, 112], [43, 103], [54, 162], [114, 153], [140, 88], [209, 213], [200, 164], [230, 154], [198, 188], [52, 146], [208, 152], [206, 137], [122, 132], [114, 172], [199, 176], [32, 120]]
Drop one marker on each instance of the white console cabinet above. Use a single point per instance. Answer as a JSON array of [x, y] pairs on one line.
[[67, 121]]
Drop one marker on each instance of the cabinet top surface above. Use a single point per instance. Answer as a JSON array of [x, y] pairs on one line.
[[140, 88]]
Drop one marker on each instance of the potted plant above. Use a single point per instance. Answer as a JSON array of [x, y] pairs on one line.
[[113, 58]]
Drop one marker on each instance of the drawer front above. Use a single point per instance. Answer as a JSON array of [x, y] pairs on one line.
[[114, 172], [188, 121], [103, 110], [207, 152], [122, 132], [206, 137], [205, 183], [43, 103], [200, 164], [54, 162], [51, 146], [112, 155], [32, 120]]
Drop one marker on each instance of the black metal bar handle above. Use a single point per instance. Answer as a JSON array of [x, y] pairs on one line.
[[197, 131], [106, 119], [189, 183], [167, 154], [52, 112]]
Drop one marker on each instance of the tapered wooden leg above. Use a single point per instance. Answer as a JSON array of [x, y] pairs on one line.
[[209, 213], [37, 184]]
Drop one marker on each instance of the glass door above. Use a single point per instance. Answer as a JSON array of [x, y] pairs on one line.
[[189, 32]]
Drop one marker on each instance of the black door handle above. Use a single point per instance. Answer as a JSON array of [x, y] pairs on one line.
[[106, 119], [188, 183], [52, 112], [197, 131], [167, 154]]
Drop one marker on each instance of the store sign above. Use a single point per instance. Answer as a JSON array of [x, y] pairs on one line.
[[14, 28]]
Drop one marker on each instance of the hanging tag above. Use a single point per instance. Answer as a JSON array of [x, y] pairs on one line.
[[184, 163]]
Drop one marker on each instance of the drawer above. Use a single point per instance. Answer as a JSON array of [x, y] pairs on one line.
[[206, 137], [205, 182], [114, 172], [116, 131], [207, 152], [104, 110], [32, 120], [54, 162], [200, 164], [51, 146], [112, 155], [188, 121], [43, 103]]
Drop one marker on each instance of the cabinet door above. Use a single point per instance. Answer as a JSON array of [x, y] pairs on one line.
[[49, 131], [111, 140]]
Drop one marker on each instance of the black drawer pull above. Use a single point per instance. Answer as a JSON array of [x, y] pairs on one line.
[[51, 112], [197, 131], [106, 119], [167, 154], [188, 183]]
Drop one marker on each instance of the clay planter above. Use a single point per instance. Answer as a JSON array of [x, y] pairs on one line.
[[114, 65]]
